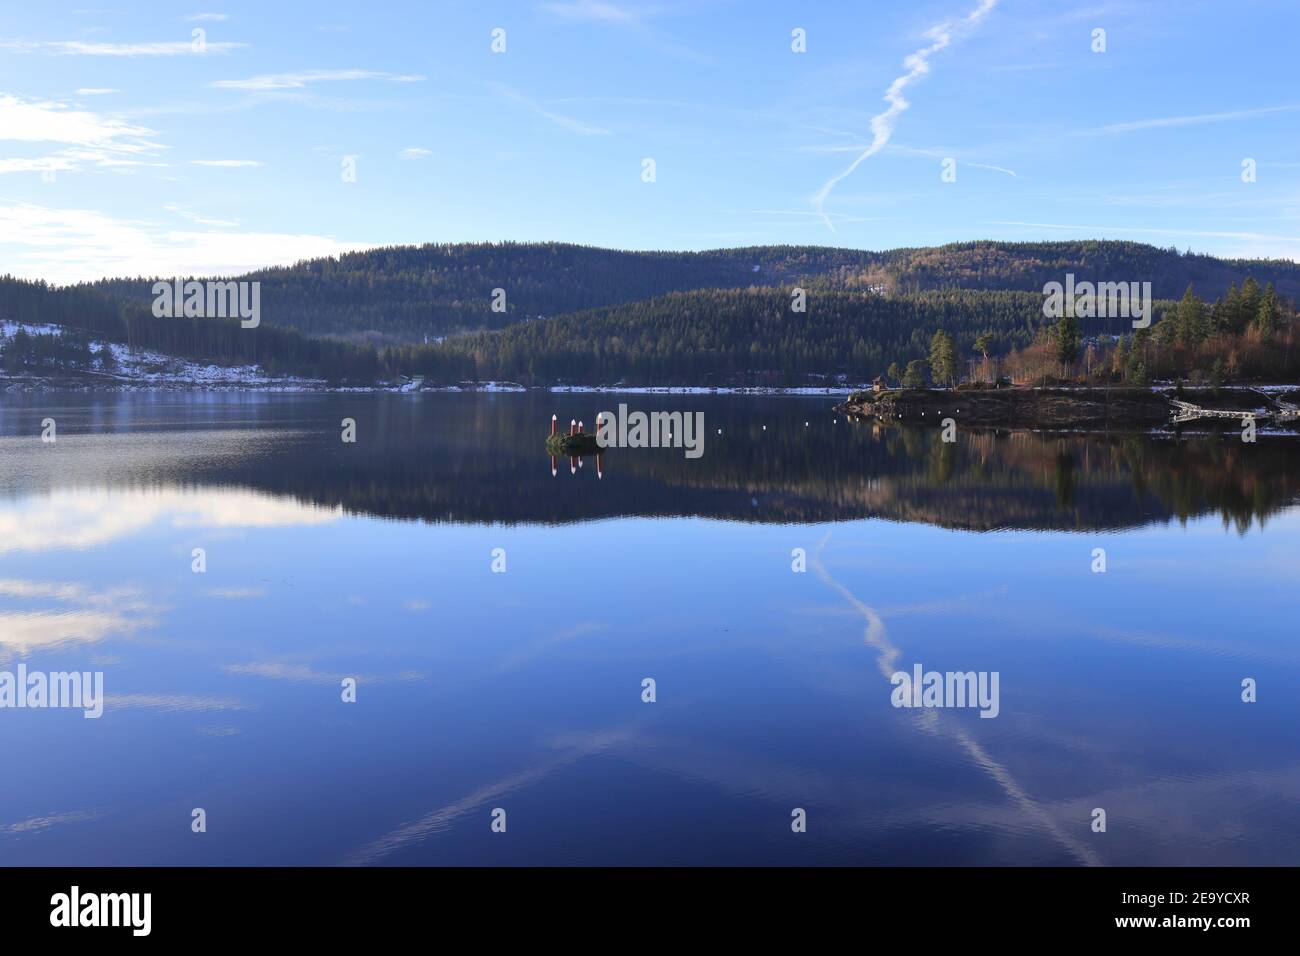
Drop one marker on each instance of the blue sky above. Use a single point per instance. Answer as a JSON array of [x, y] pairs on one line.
[[124, 151]]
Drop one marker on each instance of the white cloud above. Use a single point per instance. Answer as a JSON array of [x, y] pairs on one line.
[[46, 121], [917, 64], [82, 615], [96, 91], [80, 520], [296, 81], [25, 631], [415, 152], [225, 163], [72, 245], [89, 139], [209, 16]]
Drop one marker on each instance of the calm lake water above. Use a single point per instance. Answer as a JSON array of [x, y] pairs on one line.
[[522, 690]]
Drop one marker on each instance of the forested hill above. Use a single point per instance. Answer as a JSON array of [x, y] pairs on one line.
[[735, 336], [407, 293], [1028, 266]]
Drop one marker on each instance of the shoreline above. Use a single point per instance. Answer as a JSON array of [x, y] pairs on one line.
[[305, 386], [1088, 407]]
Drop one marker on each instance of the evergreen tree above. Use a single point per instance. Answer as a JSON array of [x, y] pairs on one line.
[[1250, 299], [1266, 315], [943, 358], [1192, 323], [1067, 341]]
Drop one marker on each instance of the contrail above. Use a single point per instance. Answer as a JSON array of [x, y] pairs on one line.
[[886, 655], [882, 124]]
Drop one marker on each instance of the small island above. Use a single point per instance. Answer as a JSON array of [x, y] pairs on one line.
[[572, 445]]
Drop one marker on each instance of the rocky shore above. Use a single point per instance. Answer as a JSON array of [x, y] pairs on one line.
[[1025, 407]]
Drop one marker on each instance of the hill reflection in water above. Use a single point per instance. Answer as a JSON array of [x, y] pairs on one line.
[[480, 458]]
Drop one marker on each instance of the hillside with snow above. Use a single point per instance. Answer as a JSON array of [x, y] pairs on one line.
[[132, 368]]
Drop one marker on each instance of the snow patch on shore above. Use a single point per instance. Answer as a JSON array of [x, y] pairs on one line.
[[145, 368]]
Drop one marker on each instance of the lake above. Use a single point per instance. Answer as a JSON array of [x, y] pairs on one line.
[[499, 614]]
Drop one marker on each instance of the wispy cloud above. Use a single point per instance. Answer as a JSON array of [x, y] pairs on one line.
[[415, 152], [47, 121], [88, 138], [594, 11], [1196, 120], [568, 122], [96, 91], [303, 673], [173, 703], [225, 163], [950, 154], [51, 820], [236, 594], [624, 16], [208, 16], [997, 169], [296, 81], [88, 48], [81, 615], [917, 65]]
